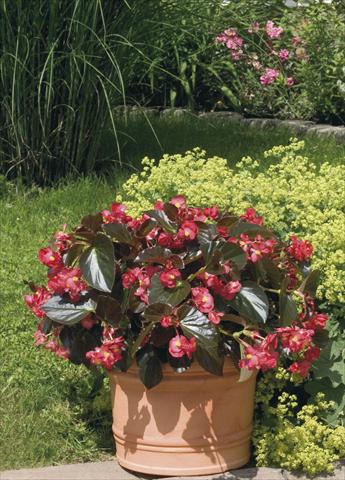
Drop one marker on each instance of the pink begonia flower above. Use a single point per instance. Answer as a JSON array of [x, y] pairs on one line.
[[284, 54], [290, 81], [269, 76], [272, 31]]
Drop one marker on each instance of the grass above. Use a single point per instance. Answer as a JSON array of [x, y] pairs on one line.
[[48, 413], [230, 140]]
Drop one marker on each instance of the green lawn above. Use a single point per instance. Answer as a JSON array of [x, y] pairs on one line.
[[47, 414]]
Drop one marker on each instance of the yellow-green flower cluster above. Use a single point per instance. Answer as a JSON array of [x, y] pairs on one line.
[[292, 194], [297, 441]]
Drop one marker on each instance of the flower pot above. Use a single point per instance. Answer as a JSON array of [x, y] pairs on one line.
[[192, 423]]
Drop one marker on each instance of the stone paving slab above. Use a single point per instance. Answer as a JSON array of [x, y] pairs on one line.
[[110, 470]]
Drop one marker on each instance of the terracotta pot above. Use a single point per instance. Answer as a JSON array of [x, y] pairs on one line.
[[192, 423]]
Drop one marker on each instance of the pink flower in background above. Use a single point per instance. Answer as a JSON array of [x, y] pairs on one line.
[[296, 40], [254, 27], [269, 76], [272, 31], [284, 54], [236, 54], [230, 39], [290, 81]]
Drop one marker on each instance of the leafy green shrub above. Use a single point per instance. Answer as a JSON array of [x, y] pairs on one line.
[[292, 194], [185, 67], [291, 67], [289, 436]]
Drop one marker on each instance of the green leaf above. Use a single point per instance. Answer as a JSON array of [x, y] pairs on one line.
[[196, 324], [207, 233], [109, 310], [233, 253], [310, 283], [171, 211], [287, 309], [62, 311], [150, 368], [118, 232], [210, 359], [144, 332], [156, 311], [82, 341], [154, 255], [163, 220], [251, 302], [216, 251], [93, 222], [227, 221], [73, 253], [241, 226], [97, 263], [171, 296], [271, 272], [146, 227]]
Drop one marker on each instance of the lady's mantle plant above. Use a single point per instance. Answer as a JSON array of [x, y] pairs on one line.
[[177, 285]]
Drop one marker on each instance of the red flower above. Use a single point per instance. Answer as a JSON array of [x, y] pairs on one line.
[[129, 277], [203, 299], [68, 280], [230, 290], [222, 231], [107, 354], [62, 239], [295, 339], [257, 248], [179, 201], [215, 317], [252, 217], [180, 346], [165, 240], [40, 338], [259, 358], [159, 205], [48, 257], [300, 250], [312, 353], [166, 321], [316, 322], [169, 277], [188, 230], [212, 212], [36, 300], [300, 368], [117, 214]]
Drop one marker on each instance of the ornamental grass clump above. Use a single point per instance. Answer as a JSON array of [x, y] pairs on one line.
[[175, 285]]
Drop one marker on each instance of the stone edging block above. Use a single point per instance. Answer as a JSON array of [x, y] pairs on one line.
[[297, 126]]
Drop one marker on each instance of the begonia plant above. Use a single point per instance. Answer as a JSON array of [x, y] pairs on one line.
[[177, 285]]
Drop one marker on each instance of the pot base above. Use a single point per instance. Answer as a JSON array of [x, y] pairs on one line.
[[166, 470], [192, 423]]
